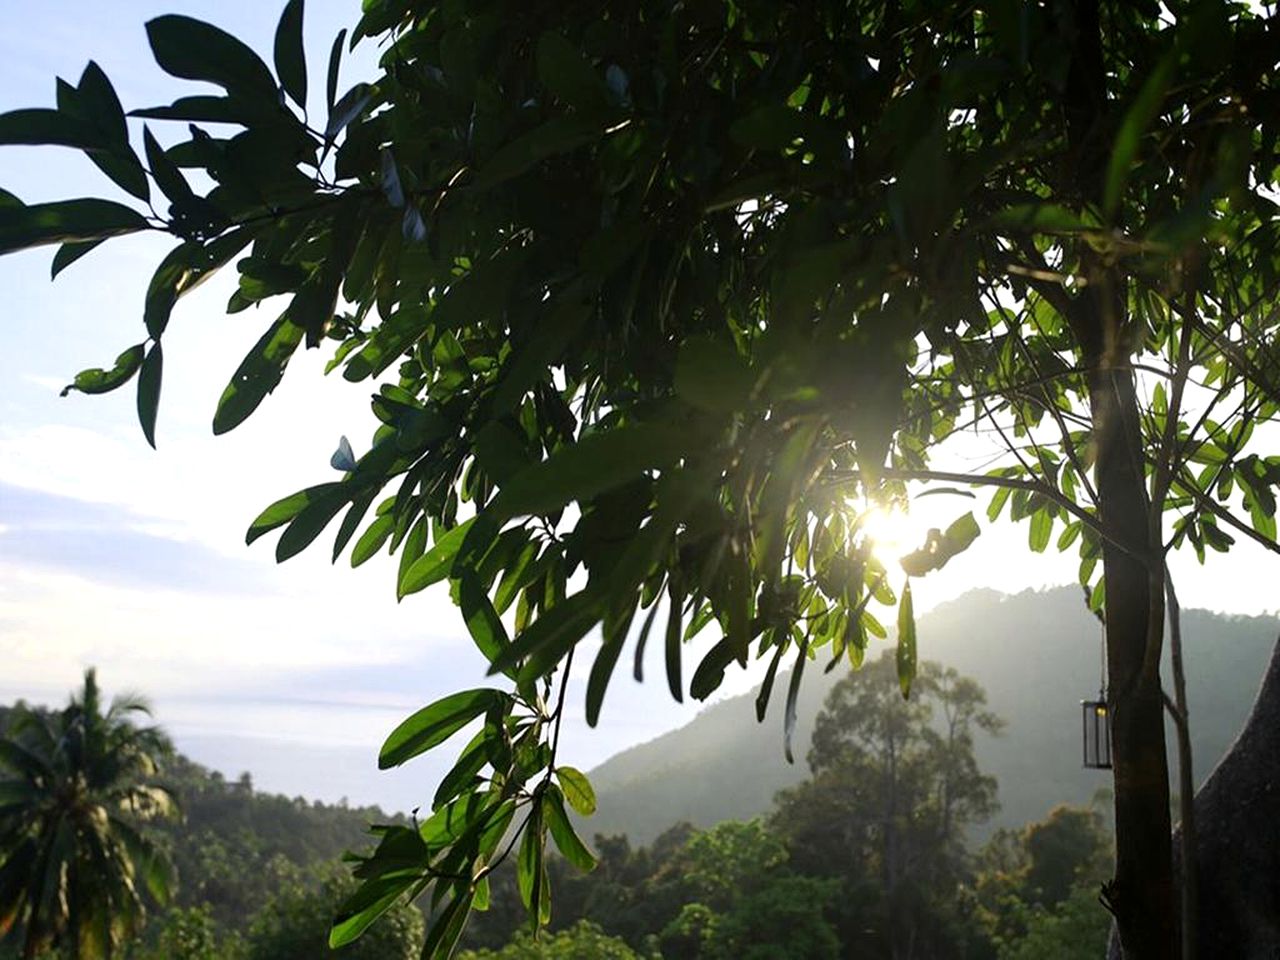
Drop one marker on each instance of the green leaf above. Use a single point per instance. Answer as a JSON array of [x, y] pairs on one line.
[[149, 392], [372, 539], [556, 136], [594, 464], [436, 563], [66, 221], [291, 63], [258, 374], [195, 50], [771, 127], [286, 508], [370, 901], [940, 548], [673, 647], [335, 61], [567, 840], [185, 268], [1136, 121], [577, 790], [68, 254], [565, 72], [1041, 529], [434, 724], [98, 380], [482, 619], [167, 175], [529, 862], [711, 375], [310, 523], [43, 127], [906, 641], [470, 762], [1042, 218], [793, 695]]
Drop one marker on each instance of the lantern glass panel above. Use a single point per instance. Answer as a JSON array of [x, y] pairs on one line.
[[1096, 734]]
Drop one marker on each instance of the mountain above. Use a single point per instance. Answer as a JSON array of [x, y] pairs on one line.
[[1037, 654]]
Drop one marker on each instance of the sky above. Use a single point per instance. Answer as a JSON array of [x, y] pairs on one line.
[[133, 560]]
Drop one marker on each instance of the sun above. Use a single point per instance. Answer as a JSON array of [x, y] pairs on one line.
[[892, 532]]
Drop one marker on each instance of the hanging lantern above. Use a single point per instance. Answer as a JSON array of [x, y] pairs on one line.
[[1096, 720]]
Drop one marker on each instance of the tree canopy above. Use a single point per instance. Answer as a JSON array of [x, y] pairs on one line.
[[76, 865], [659, 299]]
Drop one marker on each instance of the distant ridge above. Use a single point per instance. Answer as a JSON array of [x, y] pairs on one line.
[[1036, 653]]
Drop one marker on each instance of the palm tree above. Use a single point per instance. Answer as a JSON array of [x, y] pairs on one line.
[[74, 859]]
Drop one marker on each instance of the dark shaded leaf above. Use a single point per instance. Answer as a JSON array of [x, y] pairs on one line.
[[149, 391], [68, 254], [194, 50], [258, 374], [906, 656], [291, 63], [65, 221]]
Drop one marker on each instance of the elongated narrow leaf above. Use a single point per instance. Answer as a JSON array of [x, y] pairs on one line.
[[286, 508], [529, 862], [577, 790], [98, 380], [482, 620], [546, 641], [372, 539], [436, 563], [194, 50], [565, 72], [673, 646], [68, 254], [906, 657], [291, 63], [258, 374], [370, 901], [149, 392], [331, 77], [447, 928], [766, 686], [66, 221], [167, 175], [594, 464], [474, 757], [567, 840], [434, 724], [1136, 121], [793, 697], [310, 523], [43, 127]]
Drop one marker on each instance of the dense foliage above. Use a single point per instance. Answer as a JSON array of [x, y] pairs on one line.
[[662, 297], [77, 787]]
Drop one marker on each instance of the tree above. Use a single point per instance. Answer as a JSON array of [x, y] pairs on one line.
[[583, 941], [75, 861], [893, 789], [1037, 888], [292, 925], [676, 292]]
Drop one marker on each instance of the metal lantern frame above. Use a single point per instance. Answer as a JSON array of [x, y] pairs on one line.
[[1095, 720]]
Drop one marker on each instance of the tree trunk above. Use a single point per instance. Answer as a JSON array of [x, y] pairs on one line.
[[1141, 895]]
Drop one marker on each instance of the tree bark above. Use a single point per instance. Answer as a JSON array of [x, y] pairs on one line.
[[1141, 896]]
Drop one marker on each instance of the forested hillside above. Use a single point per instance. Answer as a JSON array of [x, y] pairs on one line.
[[1035, 653]]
